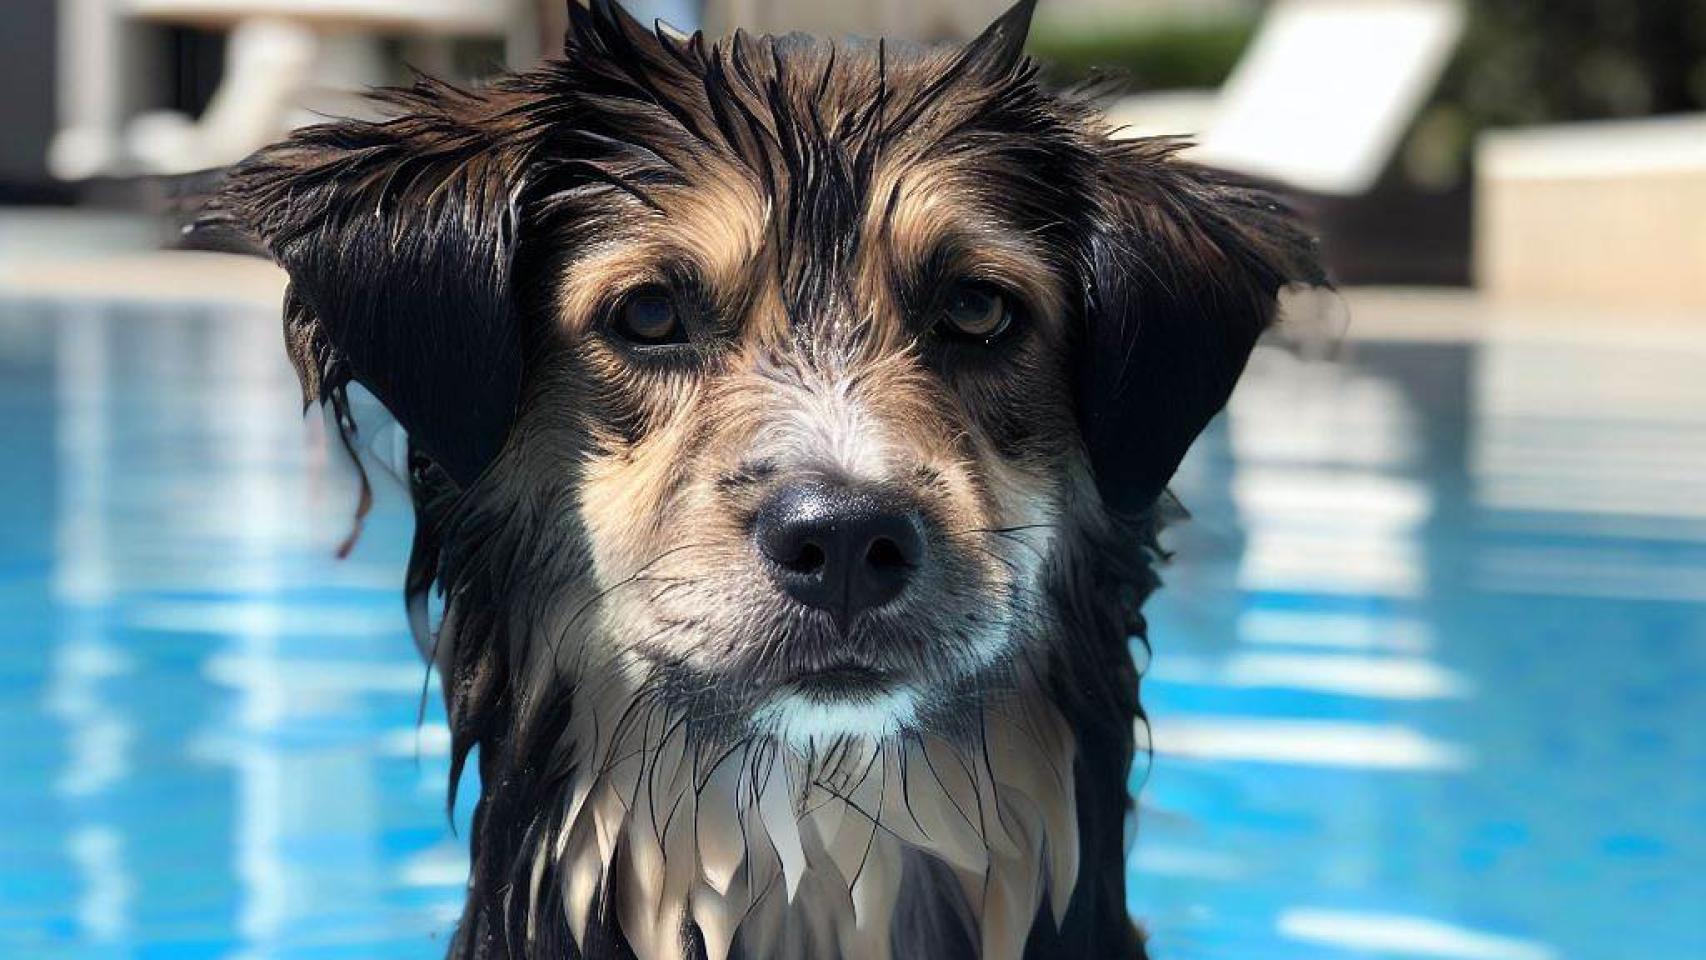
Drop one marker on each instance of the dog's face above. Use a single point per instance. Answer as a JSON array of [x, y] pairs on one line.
[[830, 345], [827, 417]]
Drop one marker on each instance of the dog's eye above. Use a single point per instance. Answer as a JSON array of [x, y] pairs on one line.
[[650, 317], [976, 311]]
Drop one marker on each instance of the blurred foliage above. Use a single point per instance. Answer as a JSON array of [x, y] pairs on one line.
[[1158, 54], [1527, 62], [1543, 61]]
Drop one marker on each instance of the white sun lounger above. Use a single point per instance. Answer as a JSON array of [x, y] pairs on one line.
[[278, 49], [1322, 97]]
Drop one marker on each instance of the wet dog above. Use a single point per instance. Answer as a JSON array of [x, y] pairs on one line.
[[789, 423]]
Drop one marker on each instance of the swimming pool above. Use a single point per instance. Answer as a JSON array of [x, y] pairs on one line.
[[1429, 675]]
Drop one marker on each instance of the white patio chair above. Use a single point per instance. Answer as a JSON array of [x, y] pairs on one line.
[[1322, 97], [280, 53]]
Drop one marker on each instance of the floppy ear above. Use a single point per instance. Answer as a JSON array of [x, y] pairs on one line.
[[1185, 274], [399, 237]]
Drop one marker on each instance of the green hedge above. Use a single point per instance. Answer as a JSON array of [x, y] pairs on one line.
[[1154, 56]]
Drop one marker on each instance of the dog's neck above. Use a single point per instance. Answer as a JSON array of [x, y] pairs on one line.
[[601, 834], [801, 851]]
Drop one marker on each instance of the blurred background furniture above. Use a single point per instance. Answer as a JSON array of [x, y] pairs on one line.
[[26, 74], [1610, 213], [283, 60], [1291, 109], [1321, 99]]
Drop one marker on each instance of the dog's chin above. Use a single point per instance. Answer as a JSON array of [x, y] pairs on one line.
[[814, 686], [807, 706], [841, 702]]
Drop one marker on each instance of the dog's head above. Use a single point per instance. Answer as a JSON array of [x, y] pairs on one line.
[[825, 347]]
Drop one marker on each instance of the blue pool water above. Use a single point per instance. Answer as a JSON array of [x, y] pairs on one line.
[[1429, 675]]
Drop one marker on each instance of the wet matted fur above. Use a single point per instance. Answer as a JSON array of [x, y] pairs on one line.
[[789, 217]]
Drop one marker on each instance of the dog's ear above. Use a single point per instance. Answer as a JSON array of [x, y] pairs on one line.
[[1184, 275], [399, 238], [999, 47]]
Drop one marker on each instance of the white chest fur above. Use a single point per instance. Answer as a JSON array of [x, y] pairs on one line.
[[800, 849]]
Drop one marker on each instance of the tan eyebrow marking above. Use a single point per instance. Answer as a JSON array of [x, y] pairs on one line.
[[716, 227], [925, 209]]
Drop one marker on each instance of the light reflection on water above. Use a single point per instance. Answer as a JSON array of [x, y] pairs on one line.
[[214, 750], [1429, 676], [1427, 679]]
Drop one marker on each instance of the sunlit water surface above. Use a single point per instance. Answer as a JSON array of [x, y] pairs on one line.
[[1429, 676]]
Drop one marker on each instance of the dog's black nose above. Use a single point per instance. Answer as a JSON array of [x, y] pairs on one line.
[[838, 549]]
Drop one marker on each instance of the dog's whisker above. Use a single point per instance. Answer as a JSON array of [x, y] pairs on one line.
[[630, 580]]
